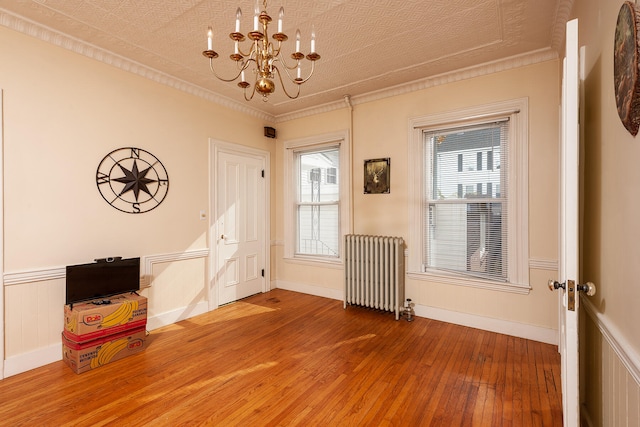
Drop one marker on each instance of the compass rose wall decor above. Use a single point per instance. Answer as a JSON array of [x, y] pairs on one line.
[[132, 180]]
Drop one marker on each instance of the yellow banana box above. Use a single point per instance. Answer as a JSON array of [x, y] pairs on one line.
[[90, 320], [82, 357]]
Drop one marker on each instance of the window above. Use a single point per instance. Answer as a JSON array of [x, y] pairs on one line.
[[469, 233], [466, 233], [317, 203], [332, 176], [316, 213]]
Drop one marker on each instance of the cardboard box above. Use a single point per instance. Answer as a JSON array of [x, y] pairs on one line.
[[91, 320], [82, 357]]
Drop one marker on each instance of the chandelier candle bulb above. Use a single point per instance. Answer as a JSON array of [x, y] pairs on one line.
[[238, 16], [280, 17], [255, 17], [210, 39], [313, 40], [297, 40]]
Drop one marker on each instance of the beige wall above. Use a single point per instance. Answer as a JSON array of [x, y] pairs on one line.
[[63, 113], [380, 129], [611, 342]]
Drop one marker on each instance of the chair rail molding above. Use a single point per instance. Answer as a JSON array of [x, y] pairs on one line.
[[146, 263]]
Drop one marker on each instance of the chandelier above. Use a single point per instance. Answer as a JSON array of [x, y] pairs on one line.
[[264, 56]]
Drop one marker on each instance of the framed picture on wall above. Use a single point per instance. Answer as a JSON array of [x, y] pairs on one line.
[[377, 176]]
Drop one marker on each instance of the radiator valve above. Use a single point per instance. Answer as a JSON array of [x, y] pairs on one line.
[[408, 310]]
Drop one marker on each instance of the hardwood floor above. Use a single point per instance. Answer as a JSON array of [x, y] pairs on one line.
[[284, 358]]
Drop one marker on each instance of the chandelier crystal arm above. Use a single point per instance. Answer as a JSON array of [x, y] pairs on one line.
[[239, 55], [242, 68], [253, 92], [296, 80], [284, 62], [284, 88]]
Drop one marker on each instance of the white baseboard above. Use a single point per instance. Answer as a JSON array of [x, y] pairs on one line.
[[521, 330], [318, 291], [34, 359], [43, 356], [174, 316]]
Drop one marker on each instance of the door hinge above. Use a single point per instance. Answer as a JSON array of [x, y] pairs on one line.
[[263, 173], [263, 272]]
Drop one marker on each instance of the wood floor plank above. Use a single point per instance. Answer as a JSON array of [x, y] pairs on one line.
[[288, 359]]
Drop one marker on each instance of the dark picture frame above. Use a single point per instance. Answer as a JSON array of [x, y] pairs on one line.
[[377, 176]]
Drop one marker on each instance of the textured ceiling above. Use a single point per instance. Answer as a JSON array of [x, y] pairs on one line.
[[367, 46]]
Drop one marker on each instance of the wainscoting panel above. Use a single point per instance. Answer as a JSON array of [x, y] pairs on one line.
[[175, 284], [610, 373], [34, 315]]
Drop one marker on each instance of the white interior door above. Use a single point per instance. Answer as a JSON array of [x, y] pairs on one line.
[[569, 265], [1, 242], [569, 229], [241, 213]]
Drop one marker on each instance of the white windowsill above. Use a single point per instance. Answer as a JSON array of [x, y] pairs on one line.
[[330, 263], [460, 280]]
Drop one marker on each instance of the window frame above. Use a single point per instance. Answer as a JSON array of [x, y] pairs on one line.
[[517, 111], [291, 149]]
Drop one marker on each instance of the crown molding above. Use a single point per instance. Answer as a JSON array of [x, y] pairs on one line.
[[49, 35], [484, 69], [563, 12]]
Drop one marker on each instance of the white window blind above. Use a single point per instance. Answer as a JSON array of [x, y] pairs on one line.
[[465, 210]]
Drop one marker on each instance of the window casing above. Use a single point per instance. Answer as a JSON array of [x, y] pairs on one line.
[[470, 209], [317, 198]]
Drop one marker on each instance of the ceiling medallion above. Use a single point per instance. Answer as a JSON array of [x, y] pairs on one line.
[[264, 56]]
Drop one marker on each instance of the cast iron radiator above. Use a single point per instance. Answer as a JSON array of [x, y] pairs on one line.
[[374, 272]]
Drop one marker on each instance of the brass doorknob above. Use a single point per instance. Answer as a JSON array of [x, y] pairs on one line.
[[553, 285], [588, 288]]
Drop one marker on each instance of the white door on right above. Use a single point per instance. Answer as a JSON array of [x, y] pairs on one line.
[[569, 253]]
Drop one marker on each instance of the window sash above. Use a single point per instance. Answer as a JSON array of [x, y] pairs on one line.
[[317, 202], [323, 240], [465, 214]]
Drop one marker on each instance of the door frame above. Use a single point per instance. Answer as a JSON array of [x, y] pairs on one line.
[[215, 148], [2, 351]]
